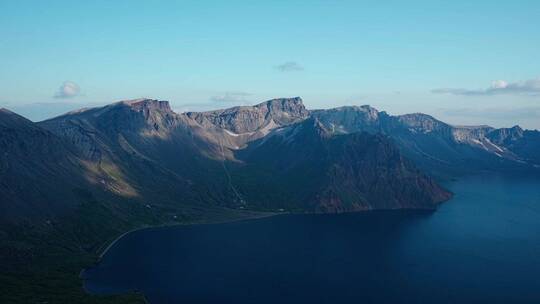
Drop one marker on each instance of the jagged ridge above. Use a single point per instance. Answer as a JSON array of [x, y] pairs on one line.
[[273, 155]]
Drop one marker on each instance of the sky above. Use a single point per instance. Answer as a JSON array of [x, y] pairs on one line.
[[464, 62]]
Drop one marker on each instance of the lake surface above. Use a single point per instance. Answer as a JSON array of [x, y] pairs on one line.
[[483, 246]]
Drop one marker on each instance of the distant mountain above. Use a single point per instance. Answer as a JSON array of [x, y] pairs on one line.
[[200, 156], [523, 143], [305, 167], [250, 119], [271, 156], [436, 147], [233, 128]]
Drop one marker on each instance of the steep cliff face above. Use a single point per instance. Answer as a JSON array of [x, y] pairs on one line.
[[505, 136], [350, 119], [141, 149], [439, 148], [274, 155], [308, 168], [523, 143], [249, 119], [233, 128]]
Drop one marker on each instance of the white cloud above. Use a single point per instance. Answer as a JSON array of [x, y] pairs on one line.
[[499, 84], [231, 97], [290, 66], [527, 117], [69, 89], [498, 87], [496, 113], [219, 101]]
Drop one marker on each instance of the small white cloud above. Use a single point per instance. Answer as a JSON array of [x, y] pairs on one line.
[[290, 66], [498, 87], [69, 89], [499, 84]]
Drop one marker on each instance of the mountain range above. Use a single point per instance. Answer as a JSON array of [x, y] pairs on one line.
[[276, 155], [72, 184]]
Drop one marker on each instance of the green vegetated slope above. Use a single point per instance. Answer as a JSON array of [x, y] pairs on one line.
[[41, 261]]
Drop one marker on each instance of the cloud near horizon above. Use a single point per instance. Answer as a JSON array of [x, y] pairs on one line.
[[69, 89], [529, 87], [226, 99], [289, 66], [230, 97], [496, 112]]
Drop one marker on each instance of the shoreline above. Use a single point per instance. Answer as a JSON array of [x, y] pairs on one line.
[[258, 215], [241, 219], [108, 246], [104, 251]]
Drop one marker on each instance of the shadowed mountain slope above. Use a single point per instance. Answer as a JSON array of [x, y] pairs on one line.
[[70, 183], [270, 156], [40, 174], [306, 167], [144, 150], [436, 147]]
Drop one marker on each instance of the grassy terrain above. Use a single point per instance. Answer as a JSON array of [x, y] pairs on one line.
[[41, 262]]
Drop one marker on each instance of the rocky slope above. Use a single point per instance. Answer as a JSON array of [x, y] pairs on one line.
[[234, 127], [141, 151], [274, 155], [306, 167], [523, 143], [436, 147]]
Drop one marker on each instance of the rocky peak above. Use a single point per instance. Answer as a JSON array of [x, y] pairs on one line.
[[471, 134], [349, 119], [249, 119], [505, 135], [516, 128], [150, 116], [289, 107], [142, 105], [371, 112], [366, 110], [422, 122], [87, 128], [146, 105]]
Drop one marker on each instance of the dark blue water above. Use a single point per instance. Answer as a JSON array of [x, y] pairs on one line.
[[483, 246]]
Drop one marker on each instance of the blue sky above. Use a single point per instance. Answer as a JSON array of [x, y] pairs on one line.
[[466, 62]]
